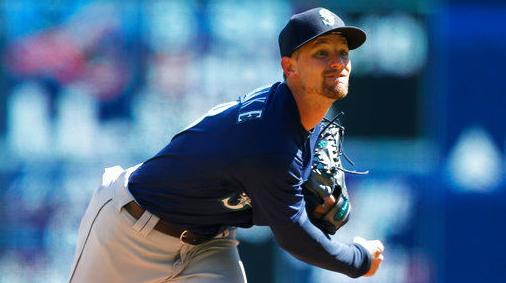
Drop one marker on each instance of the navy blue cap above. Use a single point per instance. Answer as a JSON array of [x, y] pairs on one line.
[[308, 25]]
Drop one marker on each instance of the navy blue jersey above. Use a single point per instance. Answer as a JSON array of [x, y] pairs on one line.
[[209, 174], [243, 164]]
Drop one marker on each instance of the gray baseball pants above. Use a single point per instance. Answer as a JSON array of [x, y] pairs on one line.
[[113, 246]]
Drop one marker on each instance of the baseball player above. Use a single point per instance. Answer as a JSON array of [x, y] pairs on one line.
[[172, 218]]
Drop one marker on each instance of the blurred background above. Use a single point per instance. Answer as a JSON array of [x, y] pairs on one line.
[[89, 84]]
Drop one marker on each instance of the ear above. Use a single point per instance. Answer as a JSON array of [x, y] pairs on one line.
[[289, 66]]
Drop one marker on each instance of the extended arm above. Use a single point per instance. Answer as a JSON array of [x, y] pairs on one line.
[[307, 243], [278, 202]]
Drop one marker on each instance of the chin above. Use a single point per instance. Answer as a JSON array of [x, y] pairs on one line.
[[342, 96], [337, 93]]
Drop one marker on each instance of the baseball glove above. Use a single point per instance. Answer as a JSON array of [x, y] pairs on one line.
[[325, 193]]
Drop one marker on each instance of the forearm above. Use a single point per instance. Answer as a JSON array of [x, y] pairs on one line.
[[307, 243]]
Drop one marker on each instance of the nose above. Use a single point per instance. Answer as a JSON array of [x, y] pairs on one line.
[[338, 63]]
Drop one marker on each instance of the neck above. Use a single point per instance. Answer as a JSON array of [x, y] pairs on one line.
[[312, 107]]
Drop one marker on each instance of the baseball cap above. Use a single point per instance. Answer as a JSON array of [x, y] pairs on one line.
[[308, 25]]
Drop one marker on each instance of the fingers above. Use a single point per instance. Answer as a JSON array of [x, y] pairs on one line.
[[380, 245], [330, 201], [379, 249], [327, 204], [376, 261], [375, 247]]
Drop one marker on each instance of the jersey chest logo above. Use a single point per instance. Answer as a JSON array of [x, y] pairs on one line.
[[237, 201]]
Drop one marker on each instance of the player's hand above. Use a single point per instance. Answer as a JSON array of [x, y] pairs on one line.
[[328, 203], [375, 249]]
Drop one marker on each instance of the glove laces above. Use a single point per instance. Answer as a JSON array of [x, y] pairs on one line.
[[334, 121]]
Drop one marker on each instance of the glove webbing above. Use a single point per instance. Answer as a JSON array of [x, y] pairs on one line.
[[341, 152]]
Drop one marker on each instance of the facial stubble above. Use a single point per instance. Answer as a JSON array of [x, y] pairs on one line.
[[336, 90]]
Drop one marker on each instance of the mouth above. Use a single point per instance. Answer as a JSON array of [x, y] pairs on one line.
[[335, 75], [337, 78]]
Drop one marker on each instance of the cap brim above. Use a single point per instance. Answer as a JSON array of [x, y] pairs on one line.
[[354, 36]]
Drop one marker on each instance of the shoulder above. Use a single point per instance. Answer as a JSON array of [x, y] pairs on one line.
[[281, 166], [254, 105]]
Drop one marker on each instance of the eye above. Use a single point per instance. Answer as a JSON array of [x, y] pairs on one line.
[[322, 53], [344, 53]]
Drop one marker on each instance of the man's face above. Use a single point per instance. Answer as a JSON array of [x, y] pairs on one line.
[[323, 67]]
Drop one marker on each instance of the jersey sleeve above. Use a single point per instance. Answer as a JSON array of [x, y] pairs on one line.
[[277, 201], [307, 243], [275, 192]]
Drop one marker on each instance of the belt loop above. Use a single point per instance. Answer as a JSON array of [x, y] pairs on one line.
[[122, 195], [142, 221], [150, 225]]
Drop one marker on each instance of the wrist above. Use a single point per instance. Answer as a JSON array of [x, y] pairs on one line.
[[366, 259]]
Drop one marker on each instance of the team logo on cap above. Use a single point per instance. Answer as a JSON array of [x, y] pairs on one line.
[[327, 17]]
